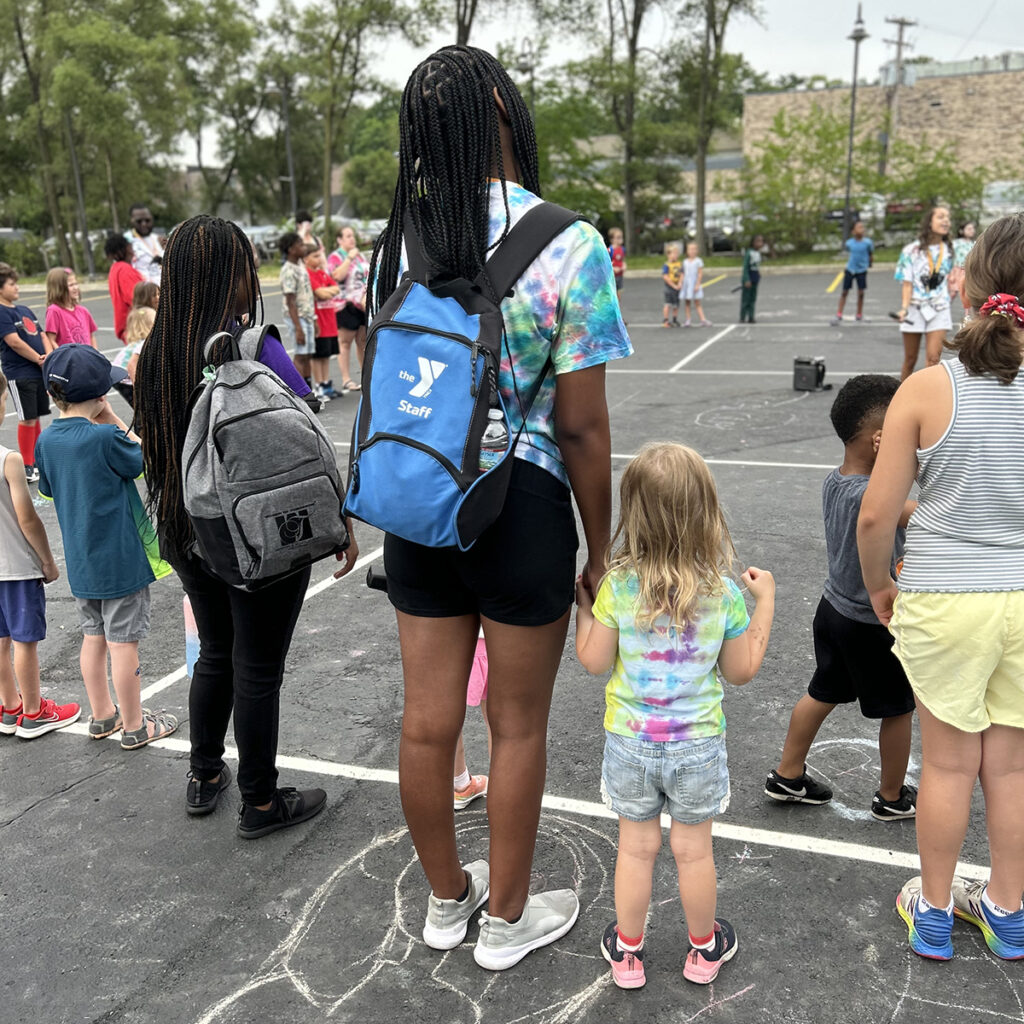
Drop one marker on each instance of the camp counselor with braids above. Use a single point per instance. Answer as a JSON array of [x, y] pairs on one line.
[[468, 175]]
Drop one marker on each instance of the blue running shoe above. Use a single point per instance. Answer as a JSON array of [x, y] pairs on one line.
[[931, 931], [1003, 935]]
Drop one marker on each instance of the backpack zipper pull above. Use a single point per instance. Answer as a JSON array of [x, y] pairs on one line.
[[472, 384]]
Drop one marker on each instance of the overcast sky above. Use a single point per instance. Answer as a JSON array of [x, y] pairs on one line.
[[804, 37]]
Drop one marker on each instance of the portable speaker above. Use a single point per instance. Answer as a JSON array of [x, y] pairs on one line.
[[809, 374]]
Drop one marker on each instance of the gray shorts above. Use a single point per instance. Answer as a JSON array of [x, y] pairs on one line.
[[122, 620]]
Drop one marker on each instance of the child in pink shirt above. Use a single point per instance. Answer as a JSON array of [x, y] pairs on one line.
[[67, 321]]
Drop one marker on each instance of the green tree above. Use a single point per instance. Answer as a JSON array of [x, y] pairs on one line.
[[369, 182], [786, 185]]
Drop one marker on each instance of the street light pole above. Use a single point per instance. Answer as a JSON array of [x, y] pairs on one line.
[[288, 145], [857, 36]]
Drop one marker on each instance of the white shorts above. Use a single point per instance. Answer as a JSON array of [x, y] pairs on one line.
[[915, 323]]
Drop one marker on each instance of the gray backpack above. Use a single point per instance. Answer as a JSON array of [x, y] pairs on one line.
[[260, 479]]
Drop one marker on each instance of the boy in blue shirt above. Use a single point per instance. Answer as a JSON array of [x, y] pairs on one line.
[[88, 462], [862, 255]]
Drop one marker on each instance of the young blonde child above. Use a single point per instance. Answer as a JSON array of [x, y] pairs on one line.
[[669, 621], [692, 288], [672, 276], [68, 322]]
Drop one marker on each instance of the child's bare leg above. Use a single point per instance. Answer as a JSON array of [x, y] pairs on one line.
[[686, 306], [691, 847], [26, 669], [93, 662], [665, 312], [320, 370], [699, 308], [487, 722], [9, 696], [302, 365], [894, 753], [804, 723], [460, 759], [860, 302], [842, 302], [639, 843], [675, 311], [124, 671]]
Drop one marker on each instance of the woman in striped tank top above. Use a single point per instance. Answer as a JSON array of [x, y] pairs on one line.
[[957, 613]]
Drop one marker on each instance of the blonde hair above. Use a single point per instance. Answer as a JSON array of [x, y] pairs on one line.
[[58, 291], [139, 323], [673, 534], [672, 247]]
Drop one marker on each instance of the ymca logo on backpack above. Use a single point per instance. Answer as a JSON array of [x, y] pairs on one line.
[[431, 454], [260, 479]]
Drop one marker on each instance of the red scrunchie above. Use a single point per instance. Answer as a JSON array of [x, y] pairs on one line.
[[1002, 304]]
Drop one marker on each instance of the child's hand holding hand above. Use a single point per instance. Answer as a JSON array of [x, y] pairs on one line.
[[50, 571], [584, 598], [760, 583], [882, 601]]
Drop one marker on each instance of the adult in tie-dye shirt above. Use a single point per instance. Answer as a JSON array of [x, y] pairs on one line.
[[664, 685]]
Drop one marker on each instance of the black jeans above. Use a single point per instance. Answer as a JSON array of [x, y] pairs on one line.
[[244, 640]]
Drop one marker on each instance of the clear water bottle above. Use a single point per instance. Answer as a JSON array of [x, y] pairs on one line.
[[494, 442]]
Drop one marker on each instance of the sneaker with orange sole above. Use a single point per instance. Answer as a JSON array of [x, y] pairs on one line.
[[477, 788]]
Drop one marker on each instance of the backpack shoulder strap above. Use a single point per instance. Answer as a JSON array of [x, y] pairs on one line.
[[414, 250], [530, 236], [250, 341]]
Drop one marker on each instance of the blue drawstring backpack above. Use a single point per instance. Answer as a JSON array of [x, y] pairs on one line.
[[430, 374]]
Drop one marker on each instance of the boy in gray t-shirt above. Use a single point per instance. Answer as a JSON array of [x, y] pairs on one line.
[[852, 649]]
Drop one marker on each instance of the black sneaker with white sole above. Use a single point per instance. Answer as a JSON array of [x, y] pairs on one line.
[[895, 810], [289, 807], [802, 790]]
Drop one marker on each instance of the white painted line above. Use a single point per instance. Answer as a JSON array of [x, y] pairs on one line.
[[182, 670], [590, 809], [342, 444], [754, 464], [161, 684], [745, 373], [700, 348]]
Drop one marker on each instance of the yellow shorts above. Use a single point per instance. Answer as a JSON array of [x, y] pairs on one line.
[[964, 655]]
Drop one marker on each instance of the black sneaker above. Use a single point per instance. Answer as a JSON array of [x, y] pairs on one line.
[[289, 807], [31, 475], [201, 796], [802, 790], [895, 810]]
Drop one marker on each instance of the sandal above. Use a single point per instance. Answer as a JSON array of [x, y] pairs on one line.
[[351, 385], [101, 728], [163, 725]]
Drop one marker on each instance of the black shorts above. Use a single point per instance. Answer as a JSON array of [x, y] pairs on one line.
[[521, 572], [855, 662], [29, 397], [326, 347], [861, 279], [618, 282], [351, 318], [671, 296]]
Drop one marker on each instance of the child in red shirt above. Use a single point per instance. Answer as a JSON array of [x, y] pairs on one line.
[[325, 290]]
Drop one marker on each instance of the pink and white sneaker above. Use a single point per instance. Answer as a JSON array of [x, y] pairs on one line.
[[627, 965], [477, 788], [51, 716], [702, 965]]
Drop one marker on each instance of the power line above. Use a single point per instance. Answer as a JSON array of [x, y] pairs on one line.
[[970, 39]]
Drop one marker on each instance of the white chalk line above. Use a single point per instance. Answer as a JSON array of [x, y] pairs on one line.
[[700, 348], [182, 670], [589, 809]]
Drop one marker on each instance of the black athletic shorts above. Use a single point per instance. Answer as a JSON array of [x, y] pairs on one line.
[[351, 318], [855, 662], [670, 295], [28, 394], [326, 347], [521, 571], [861, 279]]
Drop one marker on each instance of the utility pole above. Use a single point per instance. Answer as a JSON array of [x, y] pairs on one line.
[[857, 36], [892, 99]]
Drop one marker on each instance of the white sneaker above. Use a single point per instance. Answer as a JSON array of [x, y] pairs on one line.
[[546, 917], [448, 920]]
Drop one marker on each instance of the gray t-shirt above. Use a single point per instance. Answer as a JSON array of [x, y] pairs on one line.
[[844, 587]]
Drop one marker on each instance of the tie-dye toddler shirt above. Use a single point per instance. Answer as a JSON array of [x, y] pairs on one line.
[[565, 306], [664, 685]]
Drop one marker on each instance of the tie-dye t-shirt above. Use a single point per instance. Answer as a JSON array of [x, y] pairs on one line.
[[565, 306], [664, 685]]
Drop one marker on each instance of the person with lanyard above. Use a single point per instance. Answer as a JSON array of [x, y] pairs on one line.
[[147, 248], [923, 270]]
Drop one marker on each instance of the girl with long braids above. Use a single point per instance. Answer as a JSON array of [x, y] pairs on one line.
[[210, 285], [467, 173]]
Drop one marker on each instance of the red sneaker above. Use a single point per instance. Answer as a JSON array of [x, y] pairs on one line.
[[9, 719], [50, 716]]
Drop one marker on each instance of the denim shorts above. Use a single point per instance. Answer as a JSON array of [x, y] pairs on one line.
[[688, 779]]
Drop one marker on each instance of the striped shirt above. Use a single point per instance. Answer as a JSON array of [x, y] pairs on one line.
[[967, 534]]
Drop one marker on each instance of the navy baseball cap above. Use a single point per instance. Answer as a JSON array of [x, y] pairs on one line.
[[79, 373]]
